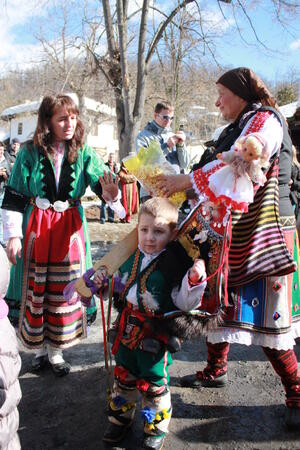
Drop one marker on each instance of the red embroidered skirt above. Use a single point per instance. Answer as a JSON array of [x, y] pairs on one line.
[[54, 255]]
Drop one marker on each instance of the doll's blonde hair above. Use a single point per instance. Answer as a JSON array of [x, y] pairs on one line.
[[295, 159], [258, 144], [159, 207]]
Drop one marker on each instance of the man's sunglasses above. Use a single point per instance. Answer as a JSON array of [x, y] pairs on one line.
[[166, 117]]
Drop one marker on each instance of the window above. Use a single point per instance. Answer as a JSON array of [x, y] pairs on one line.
[[20, 128]]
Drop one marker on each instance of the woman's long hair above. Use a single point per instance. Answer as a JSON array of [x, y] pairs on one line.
[[44, 137]]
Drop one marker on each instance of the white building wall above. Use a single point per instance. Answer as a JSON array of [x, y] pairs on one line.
[[105, 139], [29, 125]]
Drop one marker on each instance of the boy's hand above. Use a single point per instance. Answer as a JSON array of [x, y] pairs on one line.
[[197, 271], [100, 278]]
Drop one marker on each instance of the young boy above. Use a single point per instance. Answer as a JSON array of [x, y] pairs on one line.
[[160, 277]]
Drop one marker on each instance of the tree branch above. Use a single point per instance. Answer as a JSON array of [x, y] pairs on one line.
[[122, 6], [162, 27], [111, 43], [141, 66]]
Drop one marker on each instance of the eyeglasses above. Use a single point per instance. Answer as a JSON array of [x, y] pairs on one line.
[[170, 118]]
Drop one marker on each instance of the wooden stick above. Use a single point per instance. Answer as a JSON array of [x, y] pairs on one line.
[[112, 260]]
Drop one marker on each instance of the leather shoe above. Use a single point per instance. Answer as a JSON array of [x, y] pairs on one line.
[[39, 362], [61, 369], [152, 442], [192, 381], [90, 318], [115, 433], [292, 419]]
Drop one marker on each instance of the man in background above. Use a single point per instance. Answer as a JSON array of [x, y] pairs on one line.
[[12, 150], [111, 163], [172, 144]]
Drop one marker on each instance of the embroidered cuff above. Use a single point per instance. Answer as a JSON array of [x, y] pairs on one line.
[[195, 187]]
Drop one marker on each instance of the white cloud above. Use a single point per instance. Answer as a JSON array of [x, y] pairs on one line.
[[215, 21], [16, 12], [18, 47], [295, 45], [15, 16]]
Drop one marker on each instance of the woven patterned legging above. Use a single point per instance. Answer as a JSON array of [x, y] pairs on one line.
[[217, 359], [285, 365]]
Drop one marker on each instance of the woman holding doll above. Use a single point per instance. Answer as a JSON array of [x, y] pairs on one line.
[[266, 310]]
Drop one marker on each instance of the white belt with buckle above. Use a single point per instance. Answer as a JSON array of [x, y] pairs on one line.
[[58, 206]]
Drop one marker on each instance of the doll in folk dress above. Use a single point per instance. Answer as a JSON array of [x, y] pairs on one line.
[[223, 185], [230, 178]]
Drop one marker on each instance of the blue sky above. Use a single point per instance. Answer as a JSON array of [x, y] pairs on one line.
[[19, 47], [282, 52]]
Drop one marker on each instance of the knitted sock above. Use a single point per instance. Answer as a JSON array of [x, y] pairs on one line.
[[55, 355], [41, 351], [285, 365], [216, 360]]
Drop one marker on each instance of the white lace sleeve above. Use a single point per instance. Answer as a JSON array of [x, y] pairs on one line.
[[268, 126], [12, 224]]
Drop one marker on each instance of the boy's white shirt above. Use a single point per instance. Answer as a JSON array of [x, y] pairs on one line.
[[185, 297]]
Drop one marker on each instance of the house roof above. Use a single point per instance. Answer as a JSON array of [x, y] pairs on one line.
[[28, 107], [289, 109], [33, 107]]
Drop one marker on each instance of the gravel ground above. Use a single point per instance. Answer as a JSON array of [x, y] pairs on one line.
[[69, 413]]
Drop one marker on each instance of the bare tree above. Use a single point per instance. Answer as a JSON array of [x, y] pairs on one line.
[[129, 101], [130, 93], [179, 42], [182, 63], [69, 51]]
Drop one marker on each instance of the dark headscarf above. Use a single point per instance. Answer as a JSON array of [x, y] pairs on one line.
[[247, 85]]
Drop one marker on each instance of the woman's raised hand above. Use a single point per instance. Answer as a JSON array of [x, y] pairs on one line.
[[109, 187]]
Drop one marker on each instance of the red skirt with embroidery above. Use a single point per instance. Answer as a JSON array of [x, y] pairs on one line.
[[54, 255]]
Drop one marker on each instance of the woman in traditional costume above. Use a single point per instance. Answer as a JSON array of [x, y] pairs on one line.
[[264, 312], [129, 191], [46, 229]]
